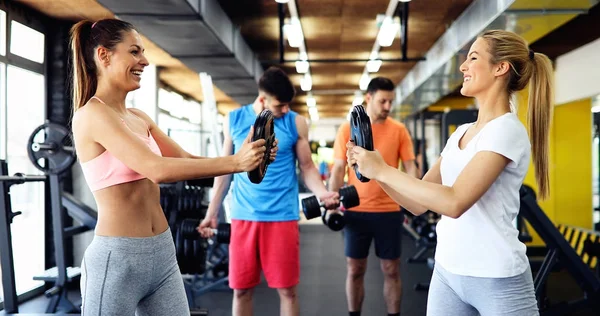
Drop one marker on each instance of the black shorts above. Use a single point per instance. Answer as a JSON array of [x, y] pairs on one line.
[[362, 227]]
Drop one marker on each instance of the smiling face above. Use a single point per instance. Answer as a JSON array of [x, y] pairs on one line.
[[478, 71], [123, 66]]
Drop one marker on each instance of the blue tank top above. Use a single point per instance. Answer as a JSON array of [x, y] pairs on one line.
[[276, 197]]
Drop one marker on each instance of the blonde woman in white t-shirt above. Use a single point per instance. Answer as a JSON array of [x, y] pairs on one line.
[[480, 264]]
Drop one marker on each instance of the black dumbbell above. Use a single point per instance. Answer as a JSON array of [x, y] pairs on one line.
[[188, 229], [335, 221], [312, 208]]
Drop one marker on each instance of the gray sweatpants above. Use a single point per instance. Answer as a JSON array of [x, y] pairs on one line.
[[451, 294], [129, 276]]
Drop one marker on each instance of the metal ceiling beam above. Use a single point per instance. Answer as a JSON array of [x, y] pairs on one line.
[[340, 60], [281, 12], [404, 21]]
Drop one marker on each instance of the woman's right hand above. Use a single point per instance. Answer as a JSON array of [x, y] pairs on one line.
[[251, 154]]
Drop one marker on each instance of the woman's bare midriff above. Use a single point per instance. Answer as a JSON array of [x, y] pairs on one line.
[[130, 210]]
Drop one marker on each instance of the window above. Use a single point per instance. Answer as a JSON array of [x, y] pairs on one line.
[[26, 42], [25, 111], [22, 109], [145, 98], [2, 33], [184, 133], [2, 111]]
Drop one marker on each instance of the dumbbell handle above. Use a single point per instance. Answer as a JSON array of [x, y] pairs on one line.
[[322, 204]]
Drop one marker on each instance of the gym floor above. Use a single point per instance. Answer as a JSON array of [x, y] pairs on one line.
[[322, 286]]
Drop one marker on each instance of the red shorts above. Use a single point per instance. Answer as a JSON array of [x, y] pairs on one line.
[[273, 247]]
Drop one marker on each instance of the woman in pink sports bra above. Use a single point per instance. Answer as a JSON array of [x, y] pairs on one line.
[[130, 267]]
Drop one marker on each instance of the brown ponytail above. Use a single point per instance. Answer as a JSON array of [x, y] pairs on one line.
[[85, 37], [536, 70], [84, 70]]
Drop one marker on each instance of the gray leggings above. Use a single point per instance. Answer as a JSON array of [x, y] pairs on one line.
[[128, 276], [451, 294]]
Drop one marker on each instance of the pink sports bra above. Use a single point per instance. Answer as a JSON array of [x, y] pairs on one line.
[[105, 170]]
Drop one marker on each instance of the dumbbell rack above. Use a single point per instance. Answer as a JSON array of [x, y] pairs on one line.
[[216, 275], [176, 200], [61, 274]]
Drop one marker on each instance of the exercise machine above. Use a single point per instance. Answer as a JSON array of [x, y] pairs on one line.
[[560, 255], [50, 152]]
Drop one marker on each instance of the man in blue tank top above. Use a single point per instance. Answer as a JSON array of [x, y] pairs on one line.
[[264, 217]]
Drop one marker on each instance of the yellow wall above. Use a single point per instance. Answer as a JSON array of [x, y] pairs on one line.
[[570, 164], [573, 139]]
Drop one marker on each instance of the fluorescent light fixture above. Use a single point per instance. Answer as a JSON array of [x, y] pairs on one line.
[[311, 102], [364, 81], [398, 0], [306, 82], [372, 65], [387, 32], [301, 66], [282, 1], [293, 32]]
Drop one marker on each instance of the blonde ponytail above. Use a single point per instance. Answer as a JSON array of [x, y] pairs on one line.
[[535, 69]]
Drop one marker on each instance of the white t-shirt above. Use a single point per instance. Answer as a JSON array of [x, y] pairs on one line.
[[483, 242]]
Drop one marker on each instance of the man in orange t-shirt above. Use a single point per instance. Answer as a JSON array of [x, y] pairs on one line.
[[377, 217]]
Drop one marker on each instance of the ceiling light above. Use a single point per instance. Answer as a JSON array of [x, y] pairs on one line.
[[364, 81], [285, 1], [387, 32], [311, 102], [314, 114], [301, 66], [293, 32], [306, 82], [373, 65], [398, 0]]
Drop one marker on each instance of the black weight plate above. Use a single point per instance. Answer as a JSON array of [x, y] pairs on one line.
[[264, 128], [188, 249], [199, 261], [188, 228], [180, 251], [224, 233], [360, 133], [311, 207], [349, 197], [52, 142], [336, 222]]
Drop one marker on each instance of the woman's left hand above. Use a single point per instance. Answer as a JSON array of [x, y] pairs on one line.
[[370, 163]]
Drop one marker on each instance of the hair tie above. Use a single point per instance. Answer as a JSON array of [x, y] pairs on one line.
[[531, 54]]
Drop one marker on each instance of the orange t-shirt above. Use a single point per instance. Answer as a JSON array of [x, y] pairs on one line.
[[392, 140]]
